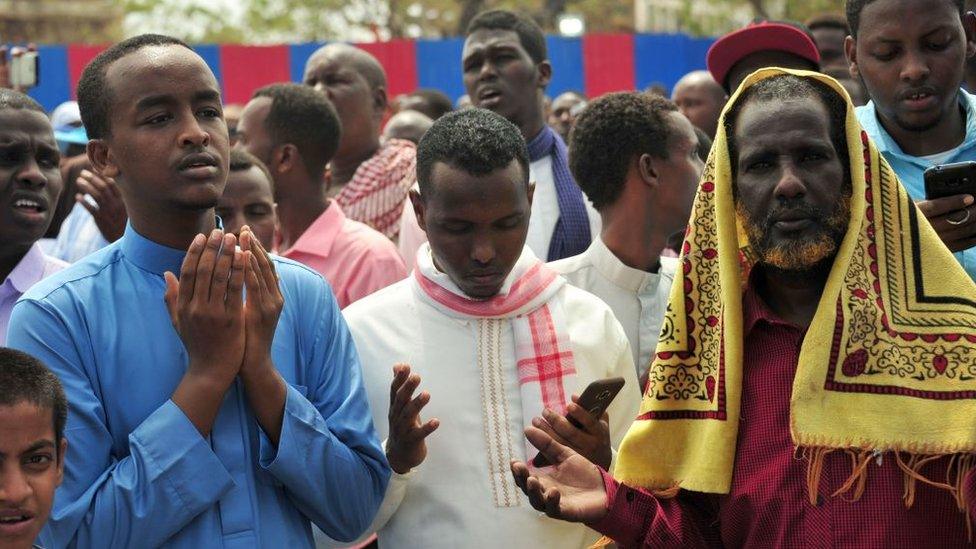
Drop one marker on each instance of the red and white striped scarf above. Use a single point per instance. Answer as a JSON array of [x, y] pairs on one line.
[[543, 354]]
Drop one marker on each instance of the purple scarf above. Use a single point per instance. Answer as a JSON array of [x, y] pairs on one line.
[[572, 233]]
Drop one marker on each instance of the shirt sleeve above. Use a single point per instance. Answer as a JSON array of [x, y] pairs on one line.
[[328, 456], [377, 269], [168, 476], [636, 518]]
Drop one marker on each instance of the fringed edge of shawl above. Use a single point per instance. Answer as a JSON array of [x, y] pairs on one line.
[[960, 465]]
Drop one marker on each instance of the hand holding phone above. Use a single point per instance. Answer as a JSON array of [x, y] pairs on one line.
[[950, 190], [584, 428]]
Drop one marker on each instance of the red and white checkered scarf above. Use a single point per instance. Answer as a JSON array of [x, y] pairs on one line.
[[543, 354], [377, 191]]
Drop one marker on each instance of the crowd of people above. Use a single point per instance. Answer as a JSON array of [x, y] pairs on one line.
[[332, 318]]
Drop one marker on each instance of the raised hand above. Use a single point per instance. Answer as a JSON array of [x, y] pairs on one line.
[[109, 210], [406, 446], [571, 490], [591, 439], [953, 218]]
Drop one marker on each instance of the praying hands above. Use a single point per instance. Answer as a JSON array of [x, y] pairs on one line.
[[225, 336]]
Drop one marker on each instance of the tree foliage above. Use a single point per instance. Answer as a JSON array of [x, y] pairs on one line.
[[266, 21]]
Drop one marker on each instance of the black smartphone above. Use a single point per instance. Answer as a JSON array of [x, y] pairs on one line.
[[595, 400], [950, 180]]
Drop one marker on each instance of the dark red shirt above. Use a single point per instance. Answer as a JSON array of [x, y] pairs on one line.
[[768, 505]]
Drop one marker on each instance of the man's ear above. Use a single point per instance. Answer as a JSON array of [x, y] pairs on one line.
[[969, 25], [285, 158], [101, 158], [380, 102], [647, 170], [62, 448], [545, 73], [850, 51], [419, 209]]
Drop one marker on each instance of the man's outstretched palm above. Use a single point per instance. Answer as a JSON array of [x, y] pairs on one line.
[[571, 489]]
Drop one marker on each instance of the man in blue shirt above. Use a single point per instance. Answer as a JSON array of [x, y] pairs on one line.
[[911, 58], [237, 428]]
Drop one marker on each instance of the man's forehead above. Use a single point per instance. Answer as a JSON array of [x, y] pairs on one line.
[[249, 183], [142, 71], [20, 123], [491, 38], [882, 17], [804, 116]]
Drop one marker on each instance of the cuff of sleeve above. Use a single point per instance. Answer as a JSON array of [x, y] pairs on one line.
[[292, 448], [176, 452], [627, 510]]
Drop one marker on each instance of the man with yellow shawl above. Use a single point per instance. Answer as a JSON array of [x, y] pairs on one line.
[[815, 381]]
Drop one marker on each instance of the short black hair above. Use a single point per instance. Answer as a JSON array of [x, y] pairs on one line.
[[855, 7], [242, 161], [440, 104], [529, 33], [23, 378], [94, 99], [475, 140], [828, 20], [11, 99], [609, 133], [304, 117], [784, 87]]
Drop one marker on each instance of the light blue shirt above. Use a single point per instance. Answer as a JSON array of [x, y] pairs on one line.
[[139, 474], [79, 236], [909, 168]]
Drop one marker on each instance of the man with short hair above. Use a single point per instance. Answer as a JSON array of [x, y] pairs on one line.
[[565, 108], [248, 199], [636, 158], [701, 99], [409, 125], [428, 101], [760, 44], [30, 183], [829, 31], [368, 179], [805, 390], [295, 131], [33, 411], [506, 70], [197, 416], [500, 342], [912, 67]]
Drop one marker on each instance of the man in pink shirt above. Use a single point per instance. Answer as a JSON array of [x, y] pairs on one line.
[[295, 131], [30, 182]]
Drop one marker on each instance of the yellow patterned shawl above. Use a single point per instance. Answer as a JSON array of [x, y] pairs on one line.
[[888, 363]]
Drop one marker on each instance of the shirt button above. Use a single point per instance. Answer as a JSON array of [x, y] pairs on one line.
[[630, 496]]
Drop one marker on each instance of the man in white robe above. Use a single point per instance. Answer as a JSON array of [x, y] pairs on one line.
[[636, 158], [499, 341]]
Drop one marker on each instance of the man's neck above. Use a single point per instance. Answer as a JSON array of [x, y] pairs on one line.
[[949, 133], [639, 249], [298, 212], [344, 166], [173, 229], [793, 297], [10, 257], [532, 124]]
